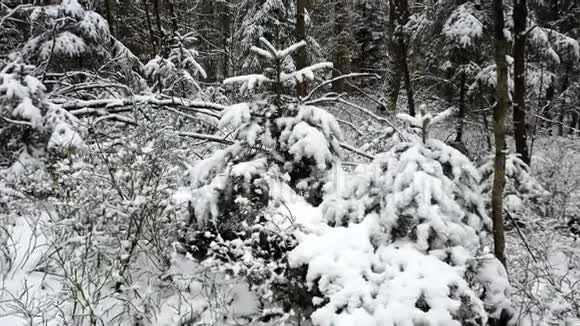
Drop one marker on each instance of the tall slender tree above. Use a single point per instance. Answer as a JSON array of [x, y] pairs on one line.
[[343, 46], [398, 18], [301, 35], [520, 15], [499, 116]]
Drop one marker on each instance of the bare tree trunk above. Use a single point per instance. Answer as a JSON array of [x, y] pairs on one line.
[[150, 28], [520, 14], [123, 13], [171, 8], [398, 17], [407, 78], [394, 80], [574, 122], [486, 128], [161, 35], [461, 113], [499, 117], [109, 11], [343, 48], [565, 85], [223, 25], [301, 35]]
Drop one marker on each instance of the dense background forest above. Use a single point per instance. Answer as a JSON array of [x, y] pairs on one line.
[[289, 162]]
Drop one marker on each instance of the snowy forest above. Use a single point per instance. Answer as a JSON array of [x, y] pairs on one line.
[[289, 162]]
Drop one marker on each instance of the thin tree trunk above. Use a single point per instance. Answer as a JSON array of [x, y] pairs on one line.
[[150, 28], [161, 35], [223, 25], [398, 17], [539, 111], [343, 48], [574, 122], [520, 14], [123, 13], [171, 8], [546, 111], [110, 17], [461, 113], [407, 79], [499, 117], [301, 35], [394, 80], [565, 86], [486, 128]]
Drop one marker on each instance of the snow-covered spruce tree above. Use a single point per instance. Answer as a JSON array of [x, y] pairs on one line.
[[369, 35], [176, 75], [270, 19], [27, 119], [402, 243], [552, 60], [521, 187], [463, 35], [461, 31], [278, 147], [66, 37], [274, 20]]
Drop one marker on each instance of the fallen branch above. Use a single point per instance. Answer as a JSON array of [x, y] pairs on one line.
[[17, 122], [330, 81], [224, 141], [116, 117], [211, 138], [85, 86], [138, 100], [351, 125], [12, 12], [372, 115], [356, 151]]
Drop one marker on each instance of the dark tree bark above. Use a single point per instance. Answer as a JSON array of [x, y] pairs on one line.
[[499, 116], [109, 12], [461, 113], [301, 35], [398, 17], [343, 48], [520, 14], [161, 35], [407, 78], [171, 8], [574, 122], [565, 85], [122, 14], [150, 28], [224, 26]]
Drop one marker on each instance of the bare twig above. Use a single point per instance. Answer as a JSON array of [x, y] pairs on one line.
[[356, 151], [372, 115], [330, 81], [12, 12]]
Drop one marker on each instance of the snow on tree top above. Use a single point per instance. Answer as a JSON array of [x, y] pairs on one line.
[[249, 82], [462, 27], [235, 115], [305, 141]]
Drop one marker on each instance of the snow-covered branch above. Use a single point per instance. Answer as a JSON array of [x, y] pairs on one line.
[[330, 81], [138, 100]]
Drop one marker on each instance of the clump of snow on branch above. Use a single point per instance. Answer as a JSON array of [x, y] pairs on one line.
[[67, 31], [462, 27], [178, 73], [401, 242], [235, 116], [273, 55], [23, 102]]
